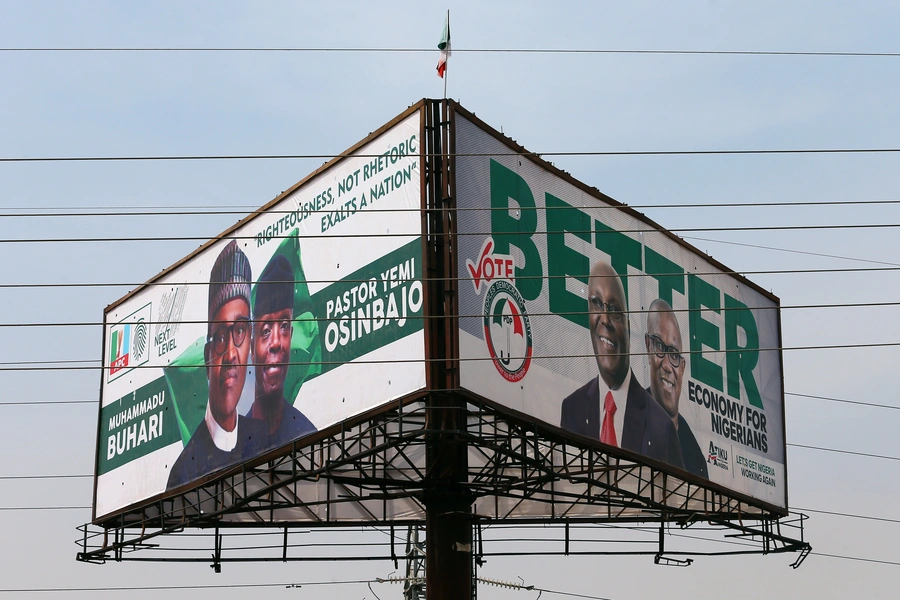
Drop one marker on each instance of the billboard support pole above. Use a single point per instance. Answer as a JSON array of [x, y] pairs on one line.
[[447, 500]]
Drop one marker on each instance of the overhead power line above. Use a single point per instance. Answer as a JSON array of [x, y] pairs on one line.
[[187, 157], [15, 508], [396, 50], [58, 324], [42, 402], [183, 587], [845, 452], [872, 404], [842, 514], [222, 209], [37, 366], [807, 253], [95, 284], [415, 234], [856, 558], [20, 477]]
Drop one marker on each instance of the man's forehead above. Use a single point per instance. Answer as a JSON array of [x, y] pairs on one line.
[[276, 315], [667, 326], [608, 284]]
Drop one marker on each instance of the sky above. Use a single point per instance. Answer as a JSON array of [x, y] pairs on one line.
[[83, 104]]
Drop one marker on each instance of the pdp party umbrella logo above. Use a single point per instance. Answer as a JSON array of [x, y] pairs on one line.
[[507, 330]]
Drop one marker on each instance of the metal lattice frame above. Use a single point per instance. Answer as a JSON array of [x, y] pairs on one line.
[[374, 473]]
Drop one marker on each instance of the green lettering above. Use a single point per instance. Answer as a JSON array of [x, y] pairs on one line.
[[740, 365], [563, 262], [703, 333], [516, 231], [622, 250], [669, 275]]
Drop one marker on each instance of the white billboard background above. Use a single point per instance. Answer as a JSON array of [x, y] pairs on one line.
[[388, 223], [547, 381]]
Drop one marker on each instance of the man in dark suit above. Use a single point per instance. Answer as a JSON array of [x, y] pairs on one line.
[[273, 313], [613, 407], [663, 340], [224, 438]]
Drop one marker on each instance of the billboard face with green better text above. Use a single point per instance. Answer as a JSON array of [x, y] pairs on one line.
[[584, 316], [303, 316]]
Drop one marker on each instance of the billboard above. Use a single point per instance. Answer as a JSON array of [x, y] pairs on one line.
[[588, 317], [300, 317]]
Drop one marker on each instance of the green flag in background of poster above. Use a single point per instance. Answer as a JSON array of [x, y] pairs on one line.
[[186, 375]]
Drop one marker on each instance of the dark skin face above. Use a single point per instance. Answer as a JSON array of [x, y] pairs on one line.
[[609, 324], [227, 371], [271, 355], [665, 380]]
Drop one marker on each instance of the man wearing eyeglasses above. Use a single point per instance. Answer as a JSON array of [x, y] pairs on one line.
[[613, 407], [223, 438], [273, 312], [663, 340]]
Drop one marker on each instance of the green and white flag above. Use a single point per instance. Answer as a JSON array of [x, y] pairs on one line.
[[444, 47]]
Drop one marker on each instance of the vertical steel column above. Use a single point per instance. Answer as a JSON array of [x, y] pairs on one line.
[[447, 499]]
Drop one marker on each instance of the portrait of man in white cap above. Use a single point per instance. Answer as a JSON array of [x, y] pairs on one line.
[[223, 437]]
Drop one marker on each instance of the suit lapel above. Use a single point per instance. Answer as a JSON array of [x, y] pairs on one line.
[[635, 418]]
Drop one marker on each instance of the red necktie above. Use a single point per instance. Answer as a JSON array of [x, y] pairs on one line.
[[608, 430]]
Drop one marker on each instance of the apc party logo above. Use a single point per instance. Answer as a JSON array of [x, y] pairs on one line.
[[507, 330], [129, 343]]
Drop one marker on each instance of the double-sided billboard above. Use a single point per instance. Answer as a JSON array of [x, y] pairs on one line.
[[590, 318], [304, 315]]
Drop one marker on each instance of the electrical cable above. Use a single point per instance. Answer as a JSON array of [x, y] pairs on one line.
[[397, 50], [221, 210], [182, 587], [820, 254], [194, 238], [534, 357], [844, 451], [849, 515], [458, 279], [842, 400], [58, 324], [524, 154]]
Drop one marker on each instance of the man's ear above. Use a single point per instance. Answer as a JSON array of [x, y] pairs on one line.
[[647, 342]]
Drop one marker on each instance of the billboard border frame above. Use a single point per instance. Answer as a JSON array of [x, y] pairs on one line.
[[418, 106], [538, 160]]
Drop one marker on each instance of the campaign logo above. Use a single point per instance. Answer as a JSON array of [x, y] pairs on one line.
[[717, 456], [507, 330], [129, 343], [490, 266]]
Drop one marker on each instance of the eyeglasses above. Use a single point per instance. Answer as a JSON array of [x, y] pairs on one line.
[[661, 350], [219, 339], [613, 311]]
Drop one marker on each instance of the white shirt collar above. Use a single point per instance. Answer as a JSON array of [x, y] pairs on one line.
[[620, 396], [224, 440]]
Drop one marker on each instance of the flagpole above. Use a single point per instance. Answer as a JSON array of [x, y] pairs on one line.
[[447, 68]]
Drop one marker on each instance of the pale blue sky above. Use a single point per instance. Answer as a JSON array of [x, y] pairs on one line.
[[109, 104]]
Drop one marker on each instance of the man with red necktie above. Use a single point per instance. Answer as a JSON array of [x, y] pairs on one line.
[[613, 407]]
